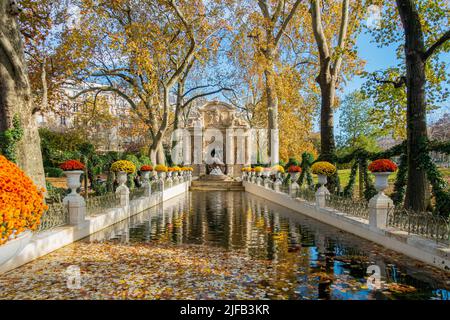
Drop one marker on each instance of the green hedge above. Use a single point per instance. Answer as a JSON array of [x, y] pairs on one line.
[[53, 172]]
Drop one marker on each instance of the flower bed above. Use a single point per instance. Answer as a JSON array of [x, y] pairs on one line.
[[21, 201]]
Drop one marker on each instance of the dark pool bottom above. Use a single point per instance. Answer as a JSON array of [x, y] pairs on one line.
[[228, 245]]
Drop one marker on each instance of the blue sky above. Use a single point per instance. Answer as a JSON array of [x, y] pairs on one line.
[[379, 59]]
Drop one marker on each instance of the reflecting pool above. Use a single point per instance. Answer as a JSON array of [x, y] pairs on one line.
[[229, 245]]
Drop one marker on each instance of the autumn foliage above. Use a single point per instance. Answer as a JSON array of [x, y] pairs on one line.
[[21, 202], [382, 165]]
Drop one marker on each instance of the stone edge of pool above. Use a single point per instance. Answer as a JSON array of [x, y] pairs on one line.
[[48, 241], [413, 246]]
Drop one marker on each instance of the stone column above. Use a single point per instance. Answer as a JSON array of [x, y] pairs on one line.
[[379, 207], [229, 149], [248, 148]]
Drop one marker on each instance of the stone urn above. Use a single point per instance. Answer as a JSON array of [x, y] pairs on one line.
[[266, 175], [244, 176], [14, 246], [278, 181], [259, 179], [381, 180], [169, 178], [146, 176], [147, 184], [294, 176], [122, 178], [73, 181], [161, 175], [322, 192], [322, 179], [293, 187], [175, 177]]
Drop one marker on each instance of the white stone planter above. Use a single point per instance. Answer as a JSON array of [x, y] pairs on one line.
[[259, 179], [322, 179], [161, 175], [146, 176], [122, 178], [294, 176], [175, 177], [322, 192], [73, 180], [381, 180], [13, 247]]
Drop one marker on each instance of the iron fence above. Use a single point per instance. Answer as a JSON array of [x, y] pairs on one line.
[[352, 207], [137, 193], [306, 194], [98, 204], [57, 215], [424, 224]]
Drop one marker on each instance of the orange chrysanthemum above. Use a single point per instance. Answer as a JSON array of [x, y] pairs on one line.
[[70, 165], [21, 201], [382, 165]]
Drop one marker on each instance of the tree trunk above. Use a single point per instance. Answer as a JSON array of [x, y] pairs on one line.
[[15, 95], [416, 190], [272, 108], [327, 145]]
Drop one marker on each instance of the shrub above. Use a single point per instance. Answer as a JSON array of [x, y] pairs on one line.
[[53, 172], [21, 201]]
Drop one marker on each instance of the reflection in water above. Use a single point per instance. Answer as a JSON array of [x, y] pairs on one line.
[[325, 262]]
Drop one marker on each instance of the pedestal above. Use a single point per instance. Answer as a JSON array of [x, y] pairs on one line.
[[379, 207], [124, 195], [321, 196], [77, 209]]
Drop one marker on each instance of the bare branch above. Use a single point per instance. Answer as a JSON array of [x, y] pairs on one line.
[[445, 37], [286, 22], [342, 37], [397, 84]]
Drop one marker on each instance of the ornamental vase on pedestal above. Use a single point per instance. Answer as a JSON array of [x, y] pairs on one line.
[[122, 178], [381, 180], [73, 180]]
